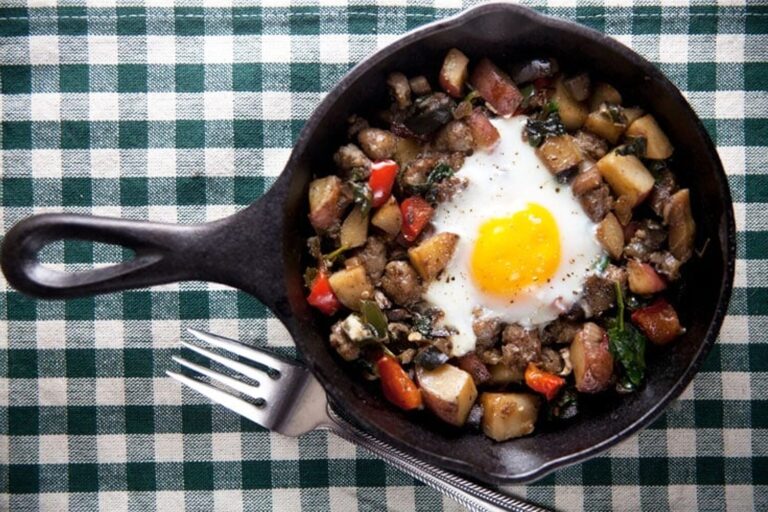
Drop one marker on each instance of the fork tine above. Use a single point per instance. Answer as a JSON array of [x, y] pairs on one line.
[[254, 354], [266, 384], [231, 402], [238, 385]]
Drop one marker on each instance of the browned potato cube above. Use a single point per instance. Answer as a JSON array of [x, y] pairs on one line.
[[351, 285], [448, 392], [627, 176], [324, 202], [572, 112], [508, 415], [388, 217], [604, 93], [454, 72], [657, 145], [502, 375], [682, 228], [610, 234], [560, 153], [354, 230], [632, 114], [591, 359], [601, 124], [430, 257]]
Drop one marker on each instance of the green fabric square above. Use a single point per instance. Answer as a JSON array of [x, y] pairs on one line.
[[247, 77], [73, 21], [759, 471], [189, 21], [75, 135], [73, 78], [16, 79], [756, 76], [704, 20], [17, 134], [370, 473], [190, 134], [198, 476], [305, 77], [246, 20], [131, 78], [190, 191], [363, 20], [702, 76], [134, 192], [23, 478], [140, 476], [757, 187], [305, 22], [137, 305], [755, 132], [17, 24], [190, 78], [196, 419], [81, 420], [79, 309], [138, 362], [193, 305], [757, 301], [22, 363], [758, 357], [597, 472], [653, 471], [20, 307], [417, 16], [76, 192], [78, 251], [313, 473], [247, 189], [83, 477], [81, 363], [132, 21], [133, 134], [712, 361], [257, 474], [139, 419], [710, 471], [248, 133], [17, 192], [708, 413], [23, 421], [248, 307], [646, 20], [759, 413], [756, 244]]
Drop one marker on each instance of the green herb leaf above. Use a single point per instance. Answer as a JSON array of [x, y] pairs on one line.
[[601, 264], [627, 345], [361, 194], [428, 189], [331, 257], [551, 107], [539, 129], [528, 92], [564, 407], [635, 147], [375, 318], [423, 324]]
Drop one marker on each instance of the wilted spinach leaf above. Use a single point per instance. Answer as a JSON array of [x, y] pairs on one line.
[[627, 345], [539, 129]]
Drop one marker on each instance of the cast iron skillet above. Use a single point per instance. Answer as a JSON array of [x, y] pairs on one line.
[[260, 249]]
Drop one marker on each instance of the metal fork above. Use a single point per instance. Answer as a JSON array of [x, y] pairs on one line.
[[289, 400]]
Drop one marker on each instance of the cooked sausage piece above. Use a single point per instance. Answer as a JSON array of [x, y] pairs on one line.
[[373, 257], [560, 331], [647, 238], [665, 186], [551, 361], [486, 330], [599, 294], [519, 346], [346, 348], [351, 157], [416, 171], [666, 264], [597, 202], [401, 283], [591, 145], [455, 136], [377, 144]]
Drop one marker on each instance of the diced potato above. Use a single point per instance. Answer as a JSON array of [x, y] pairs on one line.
[[324, 202], [420, 85], [454, 73], [682, 228], [351, 285], [572, 112], [388, 217], [622, 207], [627, 176], [604, 93], [399, 89], [610, 234], [407, 150], [560, 153], [643, 279], [484, 134], [657, 145], [591, 359], [578, 86], [496, 88], [601, 124], [501, 375], [448, 392], [659, 322], [354, 230], [508, 415], [430, 257], [632, 113]]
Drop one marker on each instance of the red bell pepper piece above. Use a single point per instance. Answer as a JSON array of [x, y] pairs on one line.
[[543, 382], [659, 322], [396, 385], [416, 215], [321, 295], [383, 174]]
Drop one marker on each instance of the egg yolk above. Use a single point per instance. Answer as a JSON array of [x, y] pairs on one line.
[[517, 252]]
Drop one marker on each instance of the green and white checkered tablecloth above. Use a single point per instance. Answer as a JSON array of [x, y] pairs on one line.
[[186, 113]]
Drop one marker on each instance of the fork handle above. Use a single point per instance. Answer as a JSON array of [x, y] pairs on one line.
[[473, 496]]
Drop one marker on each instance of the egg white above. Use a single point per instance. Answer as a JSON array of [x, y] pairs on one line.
[[501, 182]]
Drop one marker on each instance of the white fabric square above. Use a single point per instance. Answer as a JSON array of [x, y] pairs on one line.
[[53, 501], [342, 499], [729, 104], [729, 47], [733, 158], [217, 3], [111, 448], [673, 48], [53, 449], [736, 386], [402, 495], [114, 501], [227, 327], [276, 105], [170, 500], [226, 446], [218, 104], [52, 391], [230, 500], [740, 273], [161, 106], [339, 448], [682, 497], [737, 442], [218, 50], [102, 49], [287, 499], [627, 448], [740, 497], [681, 442], [166, 391], [275, 48], [165, 333], [219, 162], [284, 448], [108, 334], [110, 391], [51, 334], [105, 163], [161, 49], [625, 498], [275, 160], [570, 497], [104, 106], [161, 162], [169, 447], [43, 50], [46, 163], [334, 48], [735, 328], [45, 106], [277, 334]]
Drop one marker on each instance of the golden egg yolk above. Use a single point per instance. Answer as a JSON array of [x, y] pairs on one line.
[[517, 252]]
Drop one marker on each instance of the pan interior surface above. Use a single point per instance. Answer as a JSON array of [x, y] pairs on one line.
[[507, 34]]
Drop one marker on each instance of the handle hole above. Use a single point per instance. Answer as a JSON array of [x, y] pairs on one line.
[[82, 255]]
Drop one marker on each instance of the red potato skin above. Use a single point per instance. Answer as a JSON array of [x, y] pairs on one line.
[[485, 135], [643, 279], [594, 369], [659, 322], [454, 73], [496, 88], [471, 364]]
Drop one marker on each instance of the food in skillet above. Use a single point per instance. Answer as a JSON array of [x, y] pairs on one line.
[[494, 247]]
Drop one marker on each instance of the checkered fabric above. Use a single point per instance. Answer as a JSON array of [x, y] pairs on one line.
[[186, 114]]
